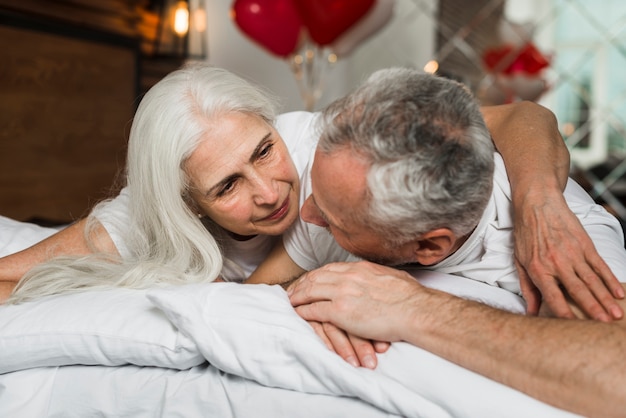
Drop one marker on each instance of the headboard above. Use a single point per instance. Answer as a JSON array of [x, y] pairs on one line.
[[67, 96]]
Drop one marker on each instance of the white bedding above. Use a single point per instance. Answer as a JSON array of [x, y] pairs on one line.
[[222, 350]]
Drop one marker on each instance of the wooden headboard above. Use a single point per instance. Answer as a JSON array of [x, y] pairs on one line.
[[67, 97]]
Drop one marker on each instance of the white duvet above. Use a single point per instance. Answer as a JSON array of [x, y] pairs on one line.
[[221, 350]]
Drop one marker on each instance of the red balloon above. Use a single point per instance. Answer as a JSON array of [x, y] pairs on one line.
[[369, 24], [530, 60], [274, 24], [509, 60], [326, 20]]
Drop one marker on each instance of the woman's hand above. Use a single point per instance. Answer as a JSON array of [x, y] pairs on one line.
[[553, 254], [355, 350]]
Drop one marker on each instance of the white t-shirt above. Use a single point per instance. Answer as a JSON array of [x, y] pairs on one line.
[[311, 246], [487, 255], [297, 130]]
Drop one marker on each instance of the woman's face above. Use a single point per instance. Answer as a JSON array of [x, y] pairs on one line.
[[243, 177]]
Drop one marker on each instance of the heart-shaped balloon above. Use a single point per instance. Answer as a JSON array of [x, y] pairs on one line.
[[326, 20], [508, 59], [369, 24], [274, 24]]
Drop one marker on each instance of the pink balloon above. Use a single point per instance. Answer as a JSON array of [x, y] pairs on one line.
[[273, 24], [375, 19]]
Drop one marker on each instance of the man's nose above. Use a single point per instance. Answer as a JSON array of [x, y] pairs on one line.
[[311, 214]]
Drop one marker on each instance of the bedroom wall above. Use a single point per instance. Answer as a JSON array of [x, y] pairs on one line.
[[68, 88]]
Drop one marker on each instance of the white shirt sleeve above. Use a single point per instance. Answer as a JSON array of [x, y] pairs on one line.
[[603, 228], [114, 217]]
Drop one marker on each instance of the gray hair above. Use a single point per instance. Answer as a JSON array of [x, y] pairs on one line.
[[168, 242], [430, 152]]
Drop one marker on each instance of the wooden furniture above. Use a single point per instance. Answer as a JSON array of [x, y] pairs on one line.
[[70, 80]]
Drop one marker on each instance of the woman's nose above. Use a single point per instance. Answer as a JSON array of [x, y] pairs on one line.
[[265, 191], [311, 214]]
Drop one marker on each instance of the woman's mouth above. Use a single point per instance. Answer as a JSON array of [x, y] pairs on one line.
[[278, 213]]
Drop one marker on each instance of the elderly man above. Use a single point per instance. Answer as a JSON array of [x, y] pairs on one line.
[[404, 174]]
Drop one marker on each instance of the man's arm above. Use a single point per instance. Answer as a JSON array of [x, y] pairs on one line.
[[575, 365], [527, 136], [69, 241], [551, 246]]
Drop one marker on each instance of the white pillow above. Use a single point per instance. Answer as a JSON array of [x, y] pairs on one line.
[[110, 328], [252, 331]]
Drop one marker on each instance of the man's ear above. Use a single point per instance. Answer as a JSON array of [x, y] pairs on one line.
[[434, 246]]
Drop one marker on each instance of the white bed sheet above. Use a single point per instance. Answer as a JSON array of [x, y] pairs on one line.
[[264, 362], [137, 392]]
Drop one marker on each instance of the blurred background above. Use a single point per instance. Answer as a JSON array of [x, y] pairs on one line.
[[568, 55]]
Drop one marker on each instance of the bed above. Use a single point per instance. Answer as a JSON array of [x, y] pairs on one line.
[[214, 350], [221, 350]]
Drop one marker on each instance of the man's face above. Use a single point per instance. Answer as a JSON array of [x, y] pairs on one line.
[[339, 182]]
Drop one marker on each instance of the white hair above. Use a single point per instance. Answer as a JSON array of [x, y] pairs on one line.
[[430, 152], [168, 242]]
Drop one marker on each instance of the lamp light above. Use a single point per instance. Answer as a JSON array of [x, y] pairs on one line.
[[181, 29], [181, 18]]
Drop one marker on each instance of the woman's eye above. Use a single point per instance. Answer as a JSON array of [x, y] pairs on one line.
[[226, 188], [266, 150]]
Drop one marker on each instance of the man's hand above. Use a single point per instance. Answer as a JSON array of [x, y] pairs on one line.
[[554, 253], [364, 299]]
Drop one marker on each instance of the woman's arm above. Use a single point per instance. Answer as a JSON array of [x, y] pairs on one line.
[[69, 241], [551, 246], [5, 290], [277, 268]]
